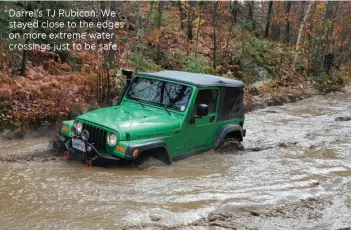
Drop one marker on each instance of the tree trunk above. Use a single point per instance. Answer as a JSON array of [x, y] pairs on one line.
[[268, 19], [250, 14], [302, 24], [112, 54], [182, 14], [198, 28], [214, 24], [192, 5], [25, 51], [275, 27], [159, 21], [287, 21], [330, 17], [145, 27], [138, 19], [24, 59], [234, 13]]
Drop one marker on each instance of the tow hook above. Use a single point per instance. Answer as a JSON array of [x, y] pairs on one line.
[[65, 155], [89, 163]]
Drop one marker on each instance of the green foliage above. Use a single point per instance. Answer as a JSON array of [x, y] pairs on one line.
[[73, 61], [64, 56], [174, 60], [259, 58], [4, 104], [327, 83], [257, 45], [245, 25], [195, 64], [143, 63]]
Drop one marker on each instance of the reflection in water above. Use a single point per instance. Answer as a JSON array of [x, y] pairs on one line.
[[60, 194]]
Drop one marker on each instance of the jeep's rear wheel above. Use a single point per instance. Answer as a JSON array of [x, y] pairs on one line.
[[229, 144]]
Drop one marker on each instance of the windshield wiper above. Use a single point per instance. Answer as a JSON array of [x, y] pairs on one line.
[[164, 107], [139, 102]]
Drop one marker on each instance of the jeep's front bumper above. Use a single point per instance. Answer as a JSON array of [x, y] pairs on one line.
[[91, 152]]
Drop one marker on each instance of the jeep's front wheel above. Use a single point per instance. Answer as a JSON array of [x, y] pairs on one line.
[[58, 146], [151, 158], [229, 144]]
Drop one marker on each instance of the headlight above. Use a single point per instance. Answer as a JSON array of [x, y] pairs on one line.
[[79, 126], [74, 131], [85, 135], [112, 139]]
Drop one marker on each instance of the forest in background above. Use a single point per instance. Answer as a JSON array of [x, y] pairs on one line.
[[281, 50]]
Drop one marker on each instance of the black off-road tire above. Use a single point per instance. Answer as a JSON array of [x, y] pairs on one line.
[[57, 146], [230, 144], [148, 162]]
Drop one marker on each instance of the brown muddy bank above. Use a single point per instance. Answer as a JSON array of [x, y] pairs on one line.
[[275, 99]]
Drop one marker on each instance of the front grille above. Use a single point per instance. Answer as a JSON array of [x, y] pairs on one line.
[[97, 136]]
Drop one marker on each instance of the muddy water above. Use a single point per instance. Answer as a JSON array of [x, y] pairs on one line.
[[293, 152]]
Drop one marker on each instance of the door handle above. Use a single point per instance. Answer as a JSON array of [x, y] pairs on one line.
[[212, 118]]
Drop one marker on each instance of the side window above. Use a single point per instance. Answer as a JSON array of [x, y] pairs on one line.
[[232, 102], [208, 97]]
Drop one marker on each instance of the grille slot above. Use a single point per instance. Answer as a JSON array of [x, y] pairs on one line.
[[97, 136]]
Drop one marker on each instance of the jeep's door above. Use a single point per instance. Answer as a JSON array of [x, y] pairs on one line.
[[201, 131]]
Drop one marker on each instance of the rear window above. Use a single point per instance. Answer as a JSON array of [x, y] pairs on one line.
[[231, 103]]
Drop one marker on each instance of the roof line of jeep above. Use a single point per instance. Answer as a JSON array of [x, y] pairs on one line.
[[197, 79]]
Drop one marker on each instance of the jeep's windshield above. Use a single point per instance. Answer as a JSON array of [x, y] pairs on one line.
[[158, 92]]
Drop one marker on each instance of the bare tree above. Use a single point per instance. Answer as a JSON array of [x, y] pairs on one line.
[[138, 19], [302, 24], [25, 51], [198, 26], [192, 5], [214, 24], [275, 27], [250, 5], [234, 13], [159, 21], [182, 14], [287, 21], [268, 18]]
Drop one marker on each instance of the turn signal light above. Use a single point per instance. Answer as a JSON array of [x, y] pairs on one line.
[[121, 148], [65, 128], [135, 152]]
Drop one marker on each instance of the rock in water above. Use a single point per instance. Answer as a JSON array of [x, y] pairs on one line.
[[154, 217], [343, 119]]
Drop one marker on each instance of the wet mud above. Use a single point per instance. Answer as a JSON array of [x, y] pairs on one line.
[[294, 173]]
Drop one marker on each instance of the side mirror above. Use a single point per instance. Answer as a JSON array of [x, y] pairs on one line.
[[202, 110]]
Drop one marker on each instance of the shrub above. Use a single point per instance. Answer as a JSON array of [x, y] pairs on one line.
[[196, 64], [259, 58], [174, 60], [142, 63], [326, 83]]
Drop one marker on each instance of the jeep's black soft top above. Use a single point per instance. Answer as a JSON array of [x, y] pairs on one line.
[[198, 79]]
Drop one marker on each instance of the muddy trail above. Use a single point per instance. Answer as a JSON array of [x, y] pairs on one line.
[[295, 173]]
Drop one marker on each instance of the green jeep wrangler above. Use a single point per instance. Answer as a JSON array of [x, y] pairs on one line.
[[165, 115]]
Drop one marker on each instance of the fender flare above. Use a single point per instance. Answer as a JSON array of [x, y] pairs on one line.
[[224, 131], [147, 145]]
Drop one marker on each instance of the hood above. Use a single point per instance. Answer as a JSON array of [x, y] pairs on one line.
[[139, 122]]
